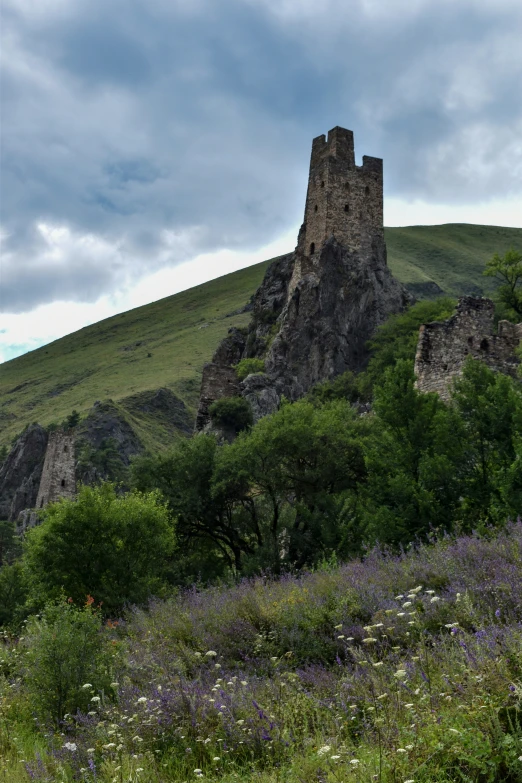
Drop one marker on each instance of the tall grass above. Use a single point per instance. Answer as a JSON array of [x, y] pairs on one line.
[[393, 669]]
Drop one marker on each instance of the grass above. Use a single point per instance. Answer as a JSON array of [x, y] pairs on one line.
[[166, 343], [393, 669]]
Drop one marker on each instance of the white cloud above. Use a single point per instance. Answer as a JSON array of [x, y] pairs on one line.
[[22, 332]]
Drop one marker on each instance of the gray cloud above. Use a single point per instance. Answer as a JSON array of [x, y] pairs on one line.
[[160, 129]]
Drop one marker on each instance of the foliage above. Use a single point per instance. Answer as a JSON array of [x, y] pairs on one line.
[[71, 421], [185, 478], [287, 477], [67, 659], [106, 460], [247, 366], [13, 594], [4, 451], [343, 387], [314, 481], [490, 408], [397, 338], [393, 668], [9, 543], [115, 548], [232, 413], [508, 270]]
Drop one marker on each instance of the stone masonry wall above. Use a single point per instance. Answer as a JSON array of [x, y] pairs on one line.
[[444, 346], [343, 201], [58, 474]]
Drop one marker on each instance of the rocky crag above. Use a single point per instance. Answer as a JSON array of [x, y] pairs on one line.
[[318, 306]]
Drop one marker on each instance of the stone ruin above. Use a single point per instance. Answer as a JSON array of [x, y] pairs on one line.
[[318, 306], [444, 345], [58, 477]]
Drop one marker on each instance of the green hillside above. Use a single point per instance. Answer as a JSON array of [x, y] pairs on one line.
[[165, 344]]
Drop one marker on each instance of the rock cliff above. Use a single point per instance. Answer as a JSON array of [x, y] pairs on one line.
[[318, 306], [21, 472]]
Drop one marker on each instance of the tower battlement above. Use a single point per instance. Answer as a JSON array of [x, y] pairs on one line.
[[343, 200]]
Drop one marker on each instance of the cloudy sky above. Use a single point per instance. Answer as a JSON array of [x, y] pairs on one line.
[[149, 145]]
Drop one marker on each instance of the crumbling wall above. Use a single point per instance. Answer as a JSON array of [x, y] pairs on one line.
[[443, 346], [58, 474]]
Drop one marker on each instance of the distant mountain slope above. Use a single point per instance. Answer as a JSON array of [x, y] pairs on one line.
[[165, 344]]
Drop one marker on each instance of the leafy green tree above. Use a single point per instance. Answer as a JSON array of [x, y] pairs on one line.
[[232, 413], [72, 420], [106, 460], [185, 478], [13, 594], [397, 339], [490, 407], [507, 269], [113, 547], [300, 458], [67, 660], [414, 458], [9, 543], [3, 454], [247, 366]]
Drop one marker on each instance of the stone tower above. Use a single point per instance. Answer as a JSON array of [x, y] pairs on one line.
[[343, 201], [58, 474], [317, 307]]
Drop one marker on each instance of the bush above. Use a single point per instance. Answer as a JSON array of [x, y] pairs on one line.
[[231, 413], [249, 366], [114, 547], [66, 650]]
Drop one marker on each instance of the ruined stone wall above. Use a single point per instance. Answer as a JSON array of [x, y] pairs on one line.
[[58, 474], [444, 346], [343, 200]]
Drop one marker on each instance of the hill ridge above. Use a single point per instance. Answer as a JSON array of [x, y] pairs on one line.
[[164, 344]]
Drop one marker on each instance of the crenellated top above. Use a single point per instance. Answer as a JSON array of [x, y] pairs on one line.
[[343, 200]]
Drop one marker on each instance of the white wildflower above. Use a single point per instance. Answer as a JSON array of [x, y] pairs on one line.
[[325, 749]]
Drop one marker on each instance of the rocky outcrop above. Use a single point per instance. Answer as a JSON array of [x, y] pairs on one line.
[[260, 392], [444, 346], [267, 305], [104, 426], [330, 316], [21, 471], [317, 307], [163, 406]]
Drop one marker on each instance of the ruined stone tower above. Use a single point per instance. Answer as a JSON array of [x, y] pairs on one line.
[[58, 474], [343, 201], [317, 307]]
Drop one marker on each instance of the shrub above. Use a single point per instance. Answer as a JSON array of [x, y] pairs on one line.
[[66, 651], [249, 366], [113, 547], [232, 413]]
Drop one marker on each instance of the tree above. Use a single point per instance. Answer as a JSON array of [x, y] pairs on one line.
[[72, 420], [414, 456], [185, 478], [508, 270], [297, 460], [232, 413], [66, 650], [115, 548], [490, 407], [397, 339]]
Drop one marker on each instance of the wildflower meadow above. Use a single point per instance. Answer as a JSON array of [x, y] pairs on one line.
[[392, 668]]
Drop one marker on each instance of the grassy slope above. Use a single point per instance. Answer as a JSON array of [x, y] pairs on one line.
[[103, 361]]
